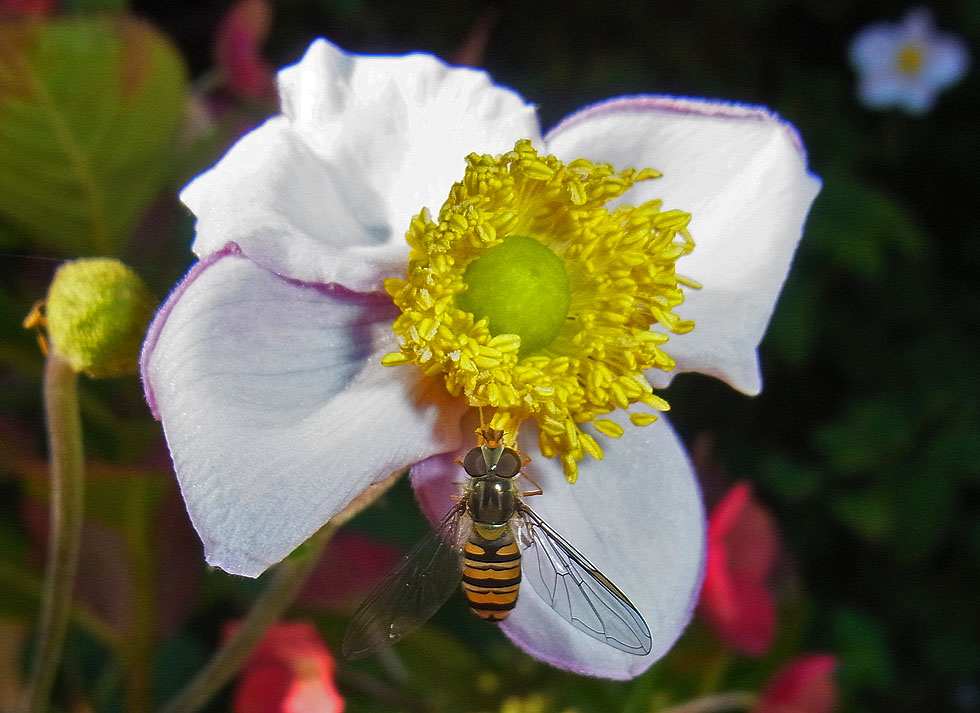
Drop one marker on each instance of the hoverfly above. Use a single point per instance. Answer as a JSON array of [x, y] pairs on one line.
[[479, 543]]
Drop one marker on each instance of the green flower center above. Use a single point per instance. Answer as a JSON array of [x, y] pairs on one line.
[[521, 287]]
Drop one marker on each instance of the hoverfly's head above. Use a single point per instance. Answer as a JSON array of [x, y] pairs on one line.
[[484, 460]]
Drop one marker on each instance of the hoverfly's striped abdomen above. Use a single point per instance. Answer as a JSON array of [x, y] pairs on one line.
[[491, 575]]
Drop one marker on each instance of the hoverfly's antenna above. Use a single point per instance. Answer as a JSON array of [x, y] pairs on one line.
[[486, 436]]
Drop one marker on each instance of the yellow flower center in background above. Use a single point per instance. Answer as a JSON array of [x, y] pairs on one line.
[[909, 59], [531, 297]]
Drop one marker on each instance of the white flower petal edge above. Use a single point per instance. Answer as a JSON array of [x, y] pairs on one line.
[[637, 515], [948, 61], [325, 192], [271, 395], [872, 50], [742, 174]]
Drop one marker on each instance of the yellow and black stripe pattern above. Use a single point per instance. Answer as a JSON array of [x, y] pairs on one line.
[[491, 575]]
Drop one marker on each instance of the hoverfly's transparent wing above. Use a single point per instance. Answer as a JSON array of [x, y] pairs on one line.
[[411, 593], [577, 591]]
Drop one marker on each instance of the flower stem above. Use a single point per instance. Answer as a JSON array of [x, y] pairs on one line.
[[287, 579], [717, 703], [67, 512], [142, 639]]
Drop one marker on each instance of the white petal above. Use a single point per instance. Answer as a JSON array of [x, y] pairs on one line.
[[637, 515], [293, 213], [917, 97], [947, 61], [275, 406], [403, 123], [873, 49], [326, 192], [741, 172], [883, 89]]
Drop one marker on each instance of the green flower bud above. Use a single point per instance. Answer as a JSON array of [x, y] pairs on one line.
[[96, 314]]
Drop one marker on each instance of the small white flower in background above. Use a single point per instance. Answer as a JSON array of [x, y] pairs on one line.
[[906, 64]]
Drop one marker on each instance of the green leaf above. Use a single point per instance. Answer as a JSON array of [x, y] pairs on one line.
[[868, 512], [72, 6], [866, 437], [89, 108], [864, 651], [858, 226], [793, 481]]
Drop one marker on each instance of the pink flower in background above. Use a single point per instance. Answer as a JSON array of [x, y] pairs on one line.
[[349, 568], [238, 50], [743, 545], [290, 671], [28, 8], [804, 685], [906, 64]]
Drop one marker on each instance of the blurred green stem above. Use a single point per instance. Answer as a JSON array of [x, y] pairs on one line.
[[67, 511], [718, 703], [715, 670], [141, 642], [287, 579], [28, 585]]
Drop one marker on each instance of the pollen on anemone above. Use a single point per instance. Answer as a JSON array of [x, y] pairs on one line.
[[312, 350]]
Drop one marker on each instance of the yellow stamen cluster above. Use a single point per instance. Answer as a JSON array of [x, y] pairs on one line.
[[620, 267]]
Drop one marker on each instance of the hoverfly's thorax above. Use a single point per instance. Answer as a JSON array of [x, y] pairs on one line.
[[491, 500]]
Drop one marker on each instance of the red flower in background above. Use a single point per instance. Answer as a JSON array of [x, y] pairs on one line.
[[743, 545], [804, 685], [351, 566], [237, 50], [290, 671], [28, 8]]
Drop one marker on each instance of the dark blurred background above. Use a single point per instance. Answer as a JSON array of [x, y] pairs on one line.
[[865, 443]]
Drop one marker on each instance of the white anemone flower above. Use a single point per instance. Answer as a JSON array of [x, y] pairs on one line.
[[906, 64], [265, 363]]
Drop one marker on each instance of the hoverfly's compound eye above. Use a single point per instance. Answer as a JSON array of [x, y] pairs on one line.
[[509, 464], [474, 463]]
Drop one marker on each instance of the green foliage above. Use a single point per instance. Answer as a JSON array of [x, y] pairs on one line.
[[89, 108], [859, 228], [864, 651]]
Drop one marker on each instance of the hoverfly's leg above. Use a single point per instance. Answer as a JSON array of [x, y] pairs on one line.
[[533, 482], [458, 496]]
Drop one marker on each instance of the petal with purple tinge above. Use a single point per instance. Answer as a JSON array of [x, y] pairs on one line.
[[272, 396], [742, 175]]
